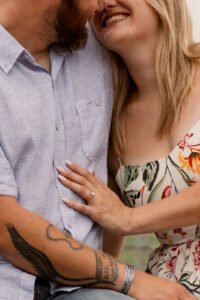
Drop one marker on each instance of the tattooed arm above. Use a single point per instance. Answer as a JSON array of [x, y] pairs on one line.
[[32, 244]]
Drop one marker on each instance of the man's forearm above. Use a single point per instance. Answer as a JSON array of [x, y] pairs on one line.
[[76, 264], [34, 245], [38, 247]]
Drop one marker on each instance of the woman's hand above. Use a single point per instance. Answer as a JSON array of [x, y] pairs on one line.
[[103, 205]]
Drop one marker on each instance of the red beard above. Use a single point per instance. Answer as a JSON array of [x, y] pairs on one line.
[[71, 26]]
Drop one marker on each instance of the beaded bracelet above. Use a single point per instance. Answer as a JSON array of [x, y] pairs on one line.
[[128, 280]]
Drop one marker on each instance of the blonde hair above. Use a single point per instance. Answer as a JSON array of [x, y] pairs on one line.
[[175, 64]]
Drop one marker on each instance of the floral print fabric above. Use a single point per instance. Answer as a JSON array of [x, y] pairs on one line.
[[178, 257]]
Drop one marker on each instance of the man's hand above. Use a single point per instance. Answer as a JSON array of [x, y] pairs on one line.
[[148, 287]]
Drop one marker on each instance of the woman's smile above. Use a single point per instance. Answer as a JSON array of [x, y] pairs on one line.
[[120, 28], [113, 18]]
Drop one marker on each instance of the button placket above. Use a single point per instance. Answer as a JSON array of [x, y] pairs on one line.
[[57, 127], [69, 223], [60, 156]]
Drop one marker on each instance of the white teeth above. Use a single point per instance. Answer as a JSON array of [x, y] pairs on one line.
[[115, 18]]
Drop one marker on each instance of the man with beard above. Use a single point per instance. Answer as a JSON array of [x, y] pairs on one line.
[[55, 104]]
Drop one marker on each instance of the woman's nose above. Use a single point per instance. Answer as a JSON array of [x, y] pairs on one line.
[[108, 3]]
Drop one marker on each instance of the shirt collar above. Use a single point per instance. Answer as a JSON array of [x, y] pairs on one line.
[[10, 50]]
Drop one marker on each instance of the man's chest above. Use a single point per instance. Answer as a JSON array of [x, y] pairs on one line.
[[43, 116]]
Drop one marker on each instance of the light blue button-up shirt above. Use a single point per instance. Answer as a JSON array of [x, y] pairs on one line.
[[47, 118]]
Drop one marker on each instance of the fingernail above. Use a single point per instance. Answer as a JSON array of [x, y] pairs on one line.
[[60, 169], [61, 177], [68, 162], [65, 200]]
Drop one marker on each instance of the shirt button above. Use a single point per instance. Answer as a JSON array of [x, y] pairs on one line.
[[98, 103], [69, 224], [57, 127]]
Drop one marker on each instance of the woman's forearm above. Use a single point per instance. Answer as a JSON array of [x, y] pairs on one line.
[[107, 209], [180, 210]]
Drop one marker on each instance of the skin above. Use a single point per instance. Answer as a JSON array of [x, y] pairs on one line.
[[141, 121], [26, 239], [136, 43], [40, 18], [31, 242], [112, 243]]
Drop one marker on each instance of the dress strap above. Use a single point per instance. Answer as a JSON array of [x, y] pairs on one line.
[[121, 173]]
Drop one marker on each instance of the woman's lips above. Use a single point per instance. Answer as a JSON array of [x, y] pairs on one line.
[[111, 18]]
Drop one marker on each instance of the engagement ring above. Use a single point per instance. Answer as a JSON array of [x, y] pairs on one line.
[[91, 195]]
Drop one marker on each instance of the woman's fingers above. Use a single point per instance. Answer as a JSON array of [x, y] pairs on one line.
[[82, 191], [81, 171], [82, 208], [99, 181], [81, 176], [74, 178]]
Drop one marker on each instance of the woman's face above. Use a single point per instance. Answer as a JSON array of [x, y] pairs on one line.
[[122, 22]]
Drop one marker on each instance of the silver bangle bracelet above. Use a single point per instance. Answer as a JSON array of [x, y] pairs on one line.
[[128, 279]]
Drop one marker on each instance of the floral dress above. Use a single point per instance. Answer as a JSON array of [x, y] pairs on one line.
[[178, 257]]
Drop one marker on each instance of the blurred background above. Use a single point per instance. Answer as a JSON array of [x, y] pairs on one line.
[[137, 248], [194, 7]]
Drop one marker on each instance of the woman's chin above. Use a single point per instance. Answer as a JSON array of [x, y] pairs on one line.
[[114, 40], [112, 44]]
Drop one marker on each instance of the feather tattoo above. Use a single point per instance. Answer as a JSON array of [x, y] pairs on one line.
[[106, 266]]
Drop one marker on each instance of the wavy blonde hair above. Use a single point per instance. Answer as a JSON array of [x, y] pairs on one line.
[[175, 63]]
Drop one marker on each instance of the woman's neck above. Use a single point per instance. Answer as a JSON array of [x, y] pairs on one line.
[[140, 62]]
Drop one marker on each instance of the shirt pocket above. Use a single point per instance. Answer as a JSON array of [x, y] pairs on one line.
[[94, 127]]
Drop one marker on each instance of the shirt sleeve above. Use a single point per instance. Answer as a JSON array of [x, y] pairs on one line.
[[8, 185]]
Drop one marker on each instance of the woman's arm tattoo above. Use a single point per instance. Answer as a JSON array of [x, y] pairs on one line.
[[106, 266]]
